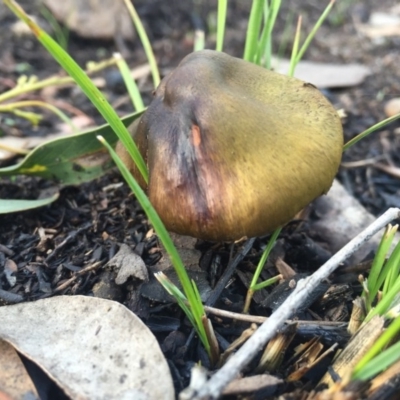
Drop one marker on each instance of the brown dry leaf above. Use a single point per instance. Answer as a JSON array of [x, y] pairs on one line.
[[93, 348], [14, 380]]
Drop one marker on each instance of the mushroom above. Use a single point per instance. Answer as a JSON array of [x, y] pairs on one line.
[[234, 149]]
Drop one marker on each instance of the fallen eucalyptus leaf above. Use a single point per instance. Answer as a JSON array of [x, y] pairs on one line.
[[9, 206], [15, 382], [70, 160], [93, 348], [323, 75]]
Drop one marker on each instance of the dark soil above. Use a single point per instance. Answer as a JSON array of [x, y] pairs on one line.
[[88, 223]]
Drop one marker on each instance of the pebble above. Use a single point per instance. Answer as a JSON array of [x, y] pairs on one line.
[[392, 107]]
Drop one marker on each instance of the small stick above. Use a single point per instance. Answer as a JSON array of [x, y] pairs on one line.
[[71, 280], [256, 319], [213, 388]]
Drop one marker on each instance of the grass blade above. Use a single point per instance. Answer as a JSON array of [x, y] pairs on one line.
[[145, 42], [373, 279], [265, 44], [368, 131], [222, 7], [253, 30], [314, 30], [130, 83], [260, 266], [166, 240], [377, 359]]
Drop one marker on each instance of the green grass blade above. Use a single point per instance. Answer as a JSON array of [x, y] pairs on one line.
[[377, 359], [264, 257], [174, 291], [221, 23], [145, 42], [163, 236], [267, 283], [199, 40], [374, 282], [314, 30], [295, 48], [370, 130], [130, 83], [265, 47], [260, 266], [253, 30], [61, 33], [389, 273], [383, 306], [194, 314], [384, 360], [393, 266], [80, 77]]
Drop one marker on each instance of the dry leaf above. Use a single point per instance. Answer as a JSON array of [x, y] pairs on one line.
[[380, 25], [14, 380], [99, 19], [326, 75], [93, 348]]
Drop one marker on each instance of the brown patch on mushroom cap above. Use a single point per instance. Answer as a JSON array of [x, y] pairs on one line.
[[236, 150]]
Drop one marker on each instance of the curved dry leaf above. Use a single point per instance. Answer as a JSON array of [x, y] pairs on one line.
[[93, 348], [14, 380]]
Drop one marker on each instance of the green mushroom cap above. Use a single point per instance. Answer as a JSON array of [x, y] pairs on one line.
[[233, 149]]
